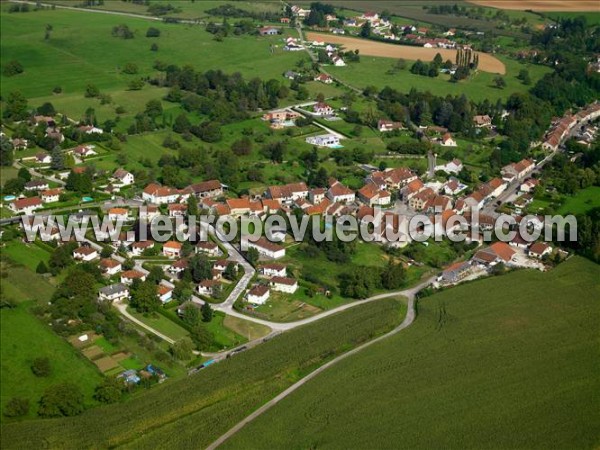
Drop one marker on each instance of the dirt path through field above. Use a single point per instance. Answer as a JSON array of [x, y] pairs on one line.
[[487, 63], [542, 5]]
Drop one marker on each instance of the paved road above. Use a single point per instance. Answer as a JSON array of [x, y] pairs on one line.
[[122, 307], [408, 320], [35, 173]]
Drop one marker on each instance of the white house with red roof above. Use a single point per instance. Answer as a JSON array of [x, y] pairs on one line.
[[388, 125], [172, 249], [26, 205], [337, 192], [284, 284], [51, 195], [324, 78], [267, 248], [258, 295], [322, 109], [85, 253]]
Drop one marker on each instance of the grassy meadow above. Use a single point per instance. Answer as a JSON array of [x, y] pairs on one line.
[[74, 56], [189, 9], [581, 202], [25, 338], [196, 410], [375, 71], [478, 369]]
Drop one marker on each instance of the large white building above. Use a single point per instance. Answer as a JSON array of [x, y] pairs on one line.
[[267, 248], [324, 140]]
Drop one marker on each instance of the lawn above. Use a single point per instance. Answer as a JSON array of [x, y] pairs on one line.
[[6, 173], [197, 409], [161, 324], [29, 255], [506, 362], [223, 337], [25, 338], [250, 330], [21, 284], [375, 71], [581, 202]]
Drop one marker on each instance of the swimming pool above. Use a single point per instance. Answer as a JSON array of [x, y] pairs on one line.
[[9, 198], [87, 199], [336, 146]]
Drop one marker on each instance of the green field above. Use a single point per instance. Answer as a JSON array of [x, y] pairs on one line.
[[25, 338], [374, 71], [592, 18], [6, 173], [250, 330], [29, 255], [581, 202], [189, 9], [478, 369], [94, 56], [196, 410], [161, 324]]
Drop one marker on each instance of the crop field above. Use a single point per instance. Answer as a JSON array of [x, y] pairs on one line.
[[478, 369], [196, 410], [487, 62], [540, 5], [25, 338], [378, 72]]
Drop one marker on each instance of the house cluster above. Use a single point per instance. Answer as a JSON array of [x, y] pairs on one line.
[[562, 127], [517, 253], [332, 52], [274, 278], [518, 170], [292, 45], [410, 34]]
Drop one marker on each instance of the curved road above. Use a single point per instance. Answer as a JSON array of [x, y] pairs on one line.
[[408, 320]]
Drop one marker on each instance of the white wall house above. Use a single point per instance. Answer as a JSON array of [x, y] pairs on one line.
[[267, 248], [85, 254], [26, 205], [273, 270], [284, 284], [172, 249], [258, 295], [123, 177], [324, 140], [113, 292]]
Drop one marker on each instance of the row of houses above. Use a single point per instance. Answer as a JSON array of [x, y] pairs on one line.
[[561, 128]]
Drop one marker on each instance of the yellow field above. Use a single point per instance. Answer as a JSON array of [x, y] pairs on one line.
[[487, 62]]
